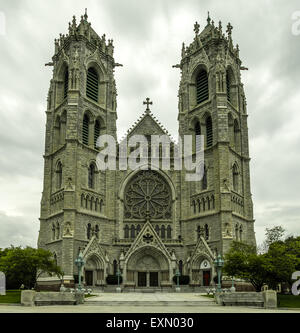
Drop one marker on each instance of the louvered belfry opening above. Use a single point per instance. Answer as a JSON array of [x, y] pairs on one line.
[[96, 132], [202, 86], [197, 132], [85, 129], [66, 83], [92, 84], [209, 132], [228, 85]]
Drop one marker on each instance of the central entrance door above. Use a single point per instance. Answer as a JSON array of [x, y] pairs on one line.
[[153, 279], [206, 278], [89, 278], [142, 279]]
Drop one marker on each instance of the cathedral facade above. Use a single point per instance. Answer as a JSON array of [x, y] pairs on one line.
[[146, 224]]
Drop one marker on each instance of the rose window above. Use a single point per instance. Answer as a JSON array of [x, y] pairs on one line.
[[148, 194]]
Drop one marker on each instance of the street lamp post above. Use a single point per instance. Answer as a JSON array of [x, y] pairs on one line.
[[177, 274], [118, 273], [219, 263], [79, 262]]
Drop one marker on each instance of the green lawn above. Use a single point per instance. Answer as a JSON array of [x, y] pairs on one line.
[[12, 296], [288, 301]]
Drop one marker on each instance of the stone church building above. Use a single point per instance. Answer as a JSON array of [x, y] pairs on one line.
[[147, 224]]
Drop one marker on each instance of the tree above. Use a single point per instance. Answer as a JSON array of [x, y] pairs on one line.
[[273, 235], [24, 265], [283, 258], [243, 262]]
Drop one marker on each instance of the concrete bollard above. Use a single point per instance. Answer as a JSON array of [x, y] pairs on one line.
[[270, 299], [28, 297]]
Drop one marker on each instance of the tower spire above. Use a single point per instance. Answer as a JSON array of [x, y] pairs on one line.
[[85, 15], [208, 19]]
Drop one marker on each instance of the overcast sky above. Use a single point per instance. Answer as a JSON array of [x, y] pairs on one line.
[[147, 37]]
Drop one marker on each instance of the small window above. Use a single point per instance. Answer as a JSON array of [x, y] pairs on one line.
[[206, 232], [204, 179], [66, 83], [89, 231], [92, 84], [169, 232], [235, 178], [202, 87], [59, 176], [132, 231], [85, 129], [126, 231], [209, 132], [91, 176], [197, 132], [163, 232], [96, 133]]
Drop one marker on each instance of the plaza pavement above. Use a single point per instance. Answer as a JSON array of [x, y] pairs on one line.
[[143, 303]]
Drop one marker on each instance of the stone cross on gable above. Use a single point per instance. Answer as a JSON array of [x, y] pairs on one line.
[[196, 28], [147, 102]]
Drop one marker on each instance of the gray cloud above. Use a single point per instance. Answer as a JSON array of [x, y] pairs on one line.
[[148, 37]]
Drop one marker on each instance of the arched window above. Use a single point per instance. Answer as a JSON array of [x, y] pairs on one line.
[[57, 231], [97, 231], [204, 179], [55, 258], [236, 131], [198, 231], [206, 232], [101, 205], [236, 232], [126, 231], [194, 206], [157, 229], [132, 231], [53, 232], [115, 266], [169, 232], [180, 266], [202, 86], [57, 132], [85, 129], [197, 132], [96, 132], [89, 231], [209, 132], [203, 204], [91, 176], [163, 232], [138, 229], [241, 233], [66, 83], [92, 84], [228, 85], [63, 127], [235, 178], [59, 175], [199, 205]]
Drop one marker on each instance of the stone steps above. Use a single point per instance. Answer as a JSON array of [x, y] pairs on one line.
[[149, 303]]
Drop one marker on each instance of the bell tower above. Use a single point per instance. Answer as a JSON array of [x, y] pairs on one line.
[[81, 105], [212, 103]]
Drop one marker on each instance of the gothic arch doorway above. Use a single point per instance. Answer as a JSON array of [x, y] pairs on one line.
[[147, 267], [93, 272]]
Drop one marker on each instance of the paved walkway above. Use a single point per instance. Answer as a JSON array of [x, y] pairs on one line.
[[113, 303]]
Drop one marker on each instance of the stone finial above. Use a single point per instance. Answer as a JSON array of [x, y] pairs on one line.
[[229, 29], [220, 27], [183, 50], [85, 15], [208, 19], [74, 22], [196, 28]]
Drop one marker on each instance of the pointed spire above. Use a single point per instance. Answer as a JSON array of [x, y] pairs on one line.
[[208, 19], [196, 28], [220, 27], [85, 15]]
